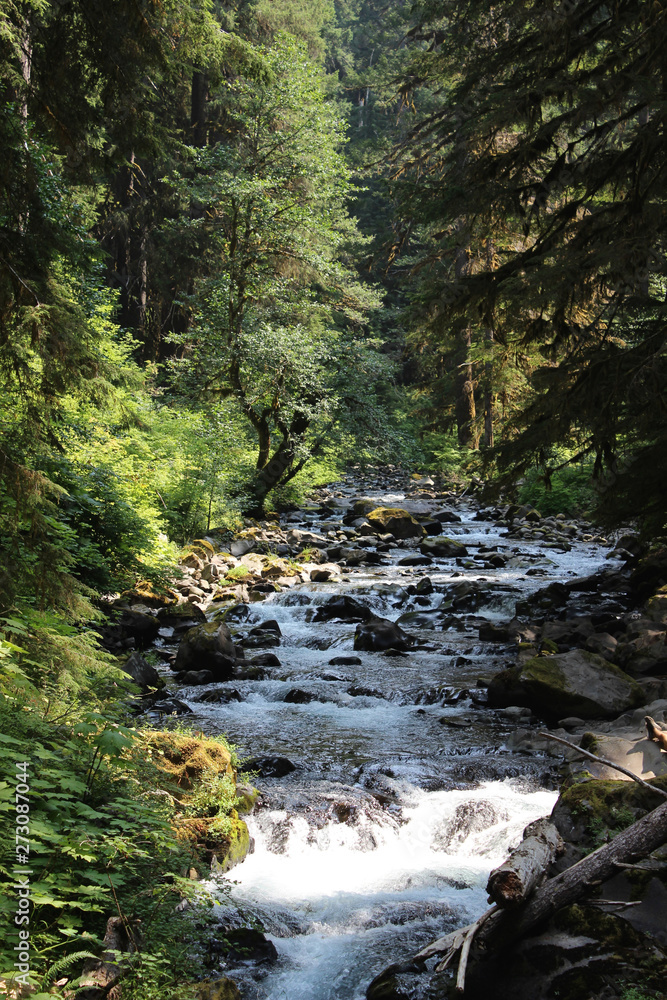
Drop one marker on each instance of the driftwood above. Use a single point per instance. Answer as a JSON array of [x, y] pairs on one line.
[[501, 928], [514, 881], [655, 732]]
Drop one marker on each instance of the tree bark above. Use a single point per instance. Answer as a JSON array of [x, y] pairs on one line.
[[198, 108], [466, 414], [514, 881]]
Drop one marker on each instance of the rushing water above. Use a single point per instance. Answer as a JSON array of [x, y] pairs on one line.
[[404, 794]]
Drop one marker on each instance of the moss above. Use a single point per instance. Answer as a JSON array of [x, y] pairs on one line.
[[204, 545], [608, 806], [186, 757], [219, 989]]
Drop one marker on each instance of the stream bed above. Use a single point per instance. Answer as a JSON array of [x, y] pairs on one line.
[[404, 793]]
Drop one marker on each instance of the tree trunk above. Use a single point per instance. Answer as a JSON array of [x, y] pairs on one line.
[[198, 108], [264, 438], [504, 927], [466, 414], [269, 477], [514, 881], [488, 394]]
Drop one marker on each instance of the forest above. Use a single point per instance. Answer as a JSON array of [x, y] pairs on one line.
[[247, 246]]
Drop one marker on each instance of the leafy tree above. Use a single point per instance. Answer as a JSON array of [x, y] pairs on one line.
[[267, 210]]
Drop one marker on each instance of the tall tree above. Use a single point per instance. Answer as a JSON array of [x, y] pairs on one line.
[[563, 115], [268, 218]]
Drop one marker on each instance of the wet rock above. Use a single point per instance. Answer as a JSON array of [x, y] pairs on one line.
[[171, 706], [345, 661], [193, 678], [207, 647], [270, 767], [297, 696], [443, 547], [574, 683], [554, 596], [447, 517], [265, 660], [261, 639], [247, 945], [219, 696], [490, 632], [142, 673], [381, 634], [433, 527], [343, 608], [415, 561], [395, 521]]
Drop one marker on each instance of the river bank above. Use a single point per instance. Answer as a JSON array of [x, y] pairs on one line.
[[359, 666]]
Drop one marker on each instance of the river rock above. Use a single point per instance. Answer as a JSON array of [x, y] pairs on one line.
[[181, 617], [269, 767], [195, 678], [573, 683], [343, 608], [142, 673], [207, 647], [395, 521], [218, 989], [379, 634], [443, 546], [141, 627]]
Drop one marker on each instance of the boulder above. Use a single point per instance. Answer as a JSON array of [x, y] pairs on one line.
[[395, 521], [181, 617], [141, 627], [567, 684], [218, 989], [440, 545], [379, 634], [207, 647], [343, 608], [142, 673], [195, 678]]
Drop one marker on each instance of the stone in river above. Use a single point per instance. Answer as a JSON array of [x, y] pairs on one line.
[[380, 634], [576, 683]]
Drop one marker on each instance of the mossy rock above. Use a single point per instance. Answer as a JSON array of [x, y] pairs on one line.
[[576, 683], [590, 812], [203, 544], [247, 796], [186, 757], [229, 848], [145, 592], [218, 989], [395, 521]]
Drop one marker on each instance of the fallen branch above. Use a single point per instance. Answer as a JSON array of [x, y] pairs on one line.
[[601, 760], [502, 928], [512, 882]]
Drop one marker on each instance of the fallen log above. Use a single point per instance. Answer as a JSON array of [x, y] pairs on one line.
[[504, 927], [513, 882]]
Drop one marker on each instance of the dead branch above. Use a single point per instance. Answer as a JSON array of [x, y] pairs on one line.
[[601, 760]]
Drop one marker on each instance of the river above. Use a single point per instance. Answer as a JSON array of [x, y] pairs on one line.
[[405, 793]]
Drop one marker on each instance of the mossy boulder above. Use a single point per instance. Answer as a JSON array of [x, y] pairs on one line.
[[187, 757], [576, 683], [145, 592], [589, 813], [394, 521], [218, 989], [207, 647], [440, 545]]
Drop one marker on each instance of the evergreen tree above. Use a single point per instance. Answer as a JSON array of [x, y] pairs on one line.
[[549, 139]]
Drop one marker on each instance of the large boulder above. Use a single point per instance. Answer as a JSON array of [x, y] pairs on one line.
[[379, 634], [343, 608], [139, 626], [442, 546], [394, 521], [207, 647], [576, 683], [142, 672]]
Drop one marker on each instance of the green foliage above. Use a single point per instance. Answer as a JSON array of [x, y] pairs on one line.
[[569, 491]]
